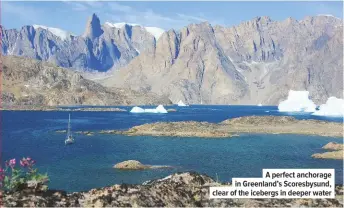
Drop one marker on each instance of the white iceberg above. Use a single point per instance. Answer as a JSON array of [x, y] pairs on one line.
[[137, 110], [259, 104], [180, 103], [159, 109], [297, 101], [333, 107]]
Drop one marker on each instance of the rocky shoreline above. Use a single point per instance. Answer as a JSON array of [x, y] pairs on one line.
[[188, 189], [231, 127], [53, 108]]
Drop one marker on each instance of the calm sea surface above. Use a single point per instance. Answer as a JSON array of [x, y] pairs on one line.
[[88, 163]]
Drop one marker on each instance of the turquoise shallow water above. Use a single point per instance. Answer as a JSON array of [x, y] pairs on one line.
[[88, 163]]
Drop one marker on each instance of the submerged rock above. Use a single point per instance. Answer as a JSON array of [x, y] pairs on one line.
[[87, 133]]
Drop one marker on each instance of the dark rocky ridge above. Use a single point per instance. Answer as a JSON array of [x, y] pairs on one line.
[[178, 190]]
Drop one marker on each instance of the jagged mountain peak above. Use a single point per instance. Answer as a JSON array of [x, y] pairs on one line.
[[93, 27], [257, 61], [263, 19]]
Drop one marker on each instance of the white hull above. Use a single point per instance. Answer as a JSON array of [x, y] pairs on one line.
[[69, 142]]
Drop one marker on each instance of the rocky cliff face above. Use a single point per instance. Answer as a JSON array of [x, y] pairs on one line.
[[178, 190], [258, 61], [100, 48], [28, 82]]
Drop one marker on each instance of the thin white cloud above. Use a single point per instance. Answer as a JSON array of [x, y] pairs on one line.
[[77, 6], [327, 8], [95, 4], [149, 17], [119, 7], [191, 18]]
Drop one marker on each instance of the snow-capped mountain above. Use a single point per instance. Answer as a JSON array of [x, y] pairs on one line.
[[56, 31], [155, 31], [100, 48], [257, 61]]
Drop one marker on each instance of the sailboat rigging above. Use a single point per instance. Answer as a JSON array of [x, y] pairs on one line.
[[69, 139]]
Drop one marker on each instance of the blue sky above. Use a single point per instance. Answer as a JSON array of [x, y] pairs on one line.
[[72, 16]]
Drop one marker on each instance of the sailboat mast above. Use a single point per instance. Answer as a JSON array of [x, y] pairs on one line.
[[69, 125]]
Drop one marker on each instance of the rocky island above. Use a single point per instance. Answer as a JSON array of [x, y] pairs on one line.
[[56, 108], [230, 127], [188, 189], [96, 109], [136, 165], [337, 152]]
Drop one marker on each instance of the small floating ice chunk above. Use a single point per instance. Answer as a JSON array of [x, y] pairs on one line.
[[180, 103], [333, 107], [259, 104], [159, 109], [137, 110], [297, 101]]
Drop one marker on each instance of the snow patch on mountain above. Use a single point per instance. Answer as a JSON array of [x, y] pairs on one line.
[[327, 15], [56, 31], [119, 24], [155, 31]]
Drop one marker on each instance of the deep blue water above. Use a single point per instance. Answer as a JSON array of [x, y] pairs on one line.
[[88, 163]]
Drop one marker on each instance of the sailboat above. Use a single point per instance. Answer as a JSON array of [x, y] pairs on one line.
[[69, 139]]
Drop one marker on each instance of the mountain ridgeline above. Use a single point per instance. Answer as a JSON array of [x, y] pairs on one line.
[[257, 61], [100, 48]]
